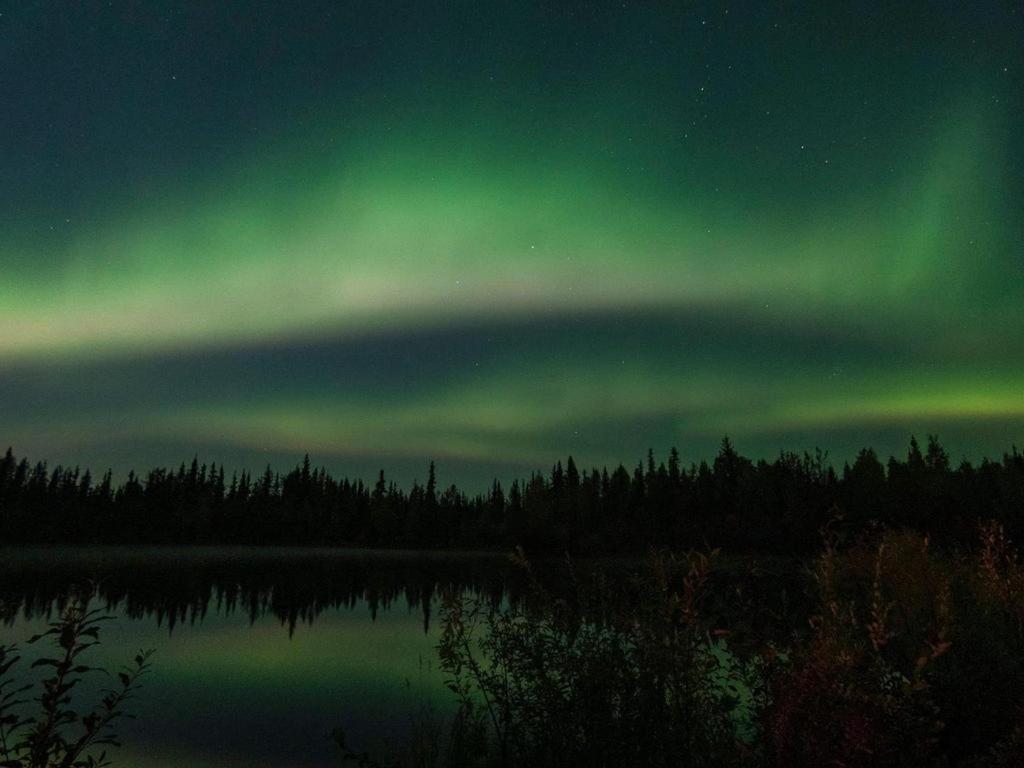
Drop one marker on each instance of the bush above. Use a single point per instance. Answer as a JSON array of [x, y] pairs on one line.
[[913, 659], [58, 736], [590, 678]]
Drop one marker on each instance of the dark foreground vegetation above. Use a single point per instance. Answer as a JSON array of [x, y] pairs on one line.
[[40, 724], [911, 658], [740, 505]]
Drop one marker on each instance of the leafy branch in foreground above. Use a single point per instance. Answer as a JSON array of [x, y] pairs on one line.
[[58, 735]]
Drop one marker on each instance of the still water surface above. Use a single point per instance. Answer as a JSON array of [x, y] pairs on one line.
[[260, 653]]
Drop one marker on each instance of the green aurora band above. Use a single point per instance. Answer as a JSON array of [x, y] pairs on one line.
[[754, 235]]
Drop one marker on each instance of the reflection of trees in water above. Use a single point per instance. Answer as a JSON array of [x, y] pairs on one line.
[[184, 586], [755, 597]]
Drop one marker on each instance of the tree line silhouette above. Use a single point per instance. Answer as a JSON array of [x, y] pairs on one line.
[[770, 507]]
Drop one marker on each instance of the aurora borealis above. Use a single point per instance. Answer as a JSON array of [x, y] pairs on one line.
[[496, 234]]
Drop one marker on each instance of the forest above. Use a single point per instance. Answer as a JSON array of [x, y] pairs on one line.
[[767, 614], [741, 505]]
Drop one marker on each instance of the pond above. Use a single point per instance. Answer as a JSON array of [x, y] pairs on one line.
[[260, 653]]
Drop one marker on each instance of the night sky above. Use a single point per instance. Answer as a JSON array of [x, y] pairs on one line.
[[494, 234]]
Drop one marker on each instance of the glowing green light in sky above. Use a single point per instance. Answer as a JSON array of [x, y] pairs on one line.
[[765, 235]]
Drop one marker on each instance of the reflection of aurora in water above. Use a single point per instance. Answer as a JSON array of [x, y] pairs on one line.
[[261, 652]]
